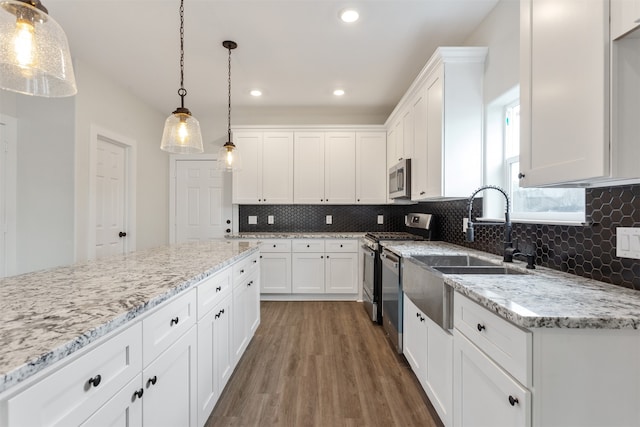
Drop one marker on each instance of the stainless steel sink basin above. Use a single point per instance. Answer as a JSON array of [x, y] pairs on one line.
[[452, 260], [476, 270]]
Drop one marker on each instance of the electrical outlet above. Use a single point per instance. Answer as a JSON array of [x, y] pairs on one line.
[[329, 219], [270, 219], [253, 220], [465, 224], [380, 219], [628, 242]]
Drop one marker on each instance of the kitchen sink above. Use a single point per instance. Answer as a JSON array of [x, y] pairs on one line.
[[452, 260], [476, 270]]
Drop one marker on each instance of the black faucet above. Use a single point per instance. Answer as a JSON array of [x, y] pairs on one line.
[[509, 250]]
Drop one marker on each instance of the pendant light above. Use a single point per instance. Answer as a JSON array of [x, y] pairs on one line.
[[228, 156], [34, 52], [181, 130]]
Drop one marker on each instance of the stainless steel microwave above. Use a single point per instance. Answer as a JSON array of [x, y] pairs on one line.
[[400, 180]]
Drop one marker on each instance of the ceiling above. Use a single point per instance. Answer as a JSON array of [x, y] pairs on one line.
[[296, 51]]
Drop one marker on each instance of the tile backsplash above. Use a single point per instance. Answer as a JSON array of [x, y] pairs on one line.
[[587, 250]]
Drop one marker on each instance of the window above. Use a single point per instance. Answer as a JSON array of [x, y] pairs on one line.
[[547, 205]]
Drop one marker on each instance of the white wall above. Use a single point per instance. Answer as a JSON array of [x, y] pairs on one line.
[[101, 103]]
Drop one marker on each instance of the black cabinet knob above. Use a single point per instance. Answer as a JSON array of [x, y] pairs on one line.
[[95, 381], [218, 289], [228, 221], [122, 234], [250, 283], [520, 175], [174, 321], [228, 230], [138, 394], [513, 400], [480, 327], [152, 381]]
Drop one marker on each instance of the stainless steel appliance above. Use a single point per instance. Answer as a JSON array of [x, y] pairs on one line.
[[372, 274], [400, 180]]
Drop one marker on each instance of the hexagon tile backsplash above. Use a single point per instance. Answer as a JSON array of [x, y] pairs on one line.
[[587, 250]]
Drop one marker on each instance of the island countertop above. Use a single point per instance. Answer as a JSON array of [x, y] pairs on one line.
[[47, 315], [540, 298]]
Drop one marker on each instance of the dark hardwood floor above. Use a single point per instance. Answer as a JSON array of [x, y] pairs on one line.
[[321, 364]]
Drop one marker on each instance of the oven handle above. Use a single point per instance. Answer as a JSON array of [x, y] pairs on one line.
[[390, 259], [368, 250]]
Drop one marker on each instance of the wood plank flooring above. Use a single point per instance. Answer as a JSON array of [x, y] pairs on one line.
[[321, 363]]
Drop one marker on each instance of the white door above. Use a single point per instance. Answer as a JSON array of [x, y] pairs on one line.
[[110, 199], [203, 207]]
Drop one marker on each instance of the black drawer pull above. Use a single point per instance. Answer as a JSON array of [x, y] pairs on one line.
[[513, 400], [480, 327], [138, 394], [95, 381], [218, 288], [152, 381], [174, 321], [250, 283]]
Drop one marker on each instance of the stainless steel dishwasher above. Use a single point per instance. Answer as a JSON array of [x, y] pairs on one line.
[[392, 297]]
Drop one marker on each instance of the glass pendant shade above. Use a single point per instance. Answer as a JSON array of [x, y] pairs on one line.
[[229, 158], [182, 133], [34, 52]]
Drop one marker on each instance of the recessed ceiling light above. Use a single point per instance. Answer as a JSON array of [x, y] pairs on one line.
[[338, 92], [349, 15], [256, 92]]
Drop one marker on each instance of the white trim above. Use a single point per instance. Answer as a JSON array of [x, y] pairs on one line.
[[11, 183], [173, 167], [130, 145]]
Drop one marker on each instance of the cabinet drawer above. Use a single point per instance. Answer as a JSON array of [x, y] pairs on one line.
[[507, 344], [310, 245], [212, 290], [166, 325], [245, 267], [275, 245], [341, 245], [68, 397]]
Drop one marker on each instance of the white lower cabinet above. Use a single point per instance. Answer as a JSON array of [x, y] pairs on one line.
[[246, 313], [341, 273], [123, 410], [275, 266], [429, 351], [307, 271], [170, 385]]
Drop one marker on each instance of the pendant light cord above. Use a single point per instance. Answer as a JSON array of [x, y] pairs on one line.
[[182, 91], [229, 97]]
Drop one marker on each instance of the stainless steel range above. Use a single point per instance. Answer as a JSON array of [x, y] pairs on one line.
[[372, 274]]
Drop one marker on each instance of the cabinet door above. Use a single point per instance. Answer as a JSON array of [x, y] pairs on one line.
[[419, 160], [307, 273], [485, 395], [277, 167], [253, 306], [341, 273], [434, 117], [414, 339], [371, 168], [214, 357], [564, 92], [123, 410], [170, 388], [398, 127], [275, 273], [391, 148], [625, 17], [339, 168], [247, 187], [439, 370], [407, 134], [308, 153]]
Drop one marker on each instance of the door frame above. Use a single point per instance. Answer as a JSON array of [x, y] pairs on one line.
[[11, 261], [130, 146]]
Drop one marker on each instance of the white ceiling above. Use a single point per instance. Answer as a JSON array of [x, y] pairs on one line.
[[296, 51]]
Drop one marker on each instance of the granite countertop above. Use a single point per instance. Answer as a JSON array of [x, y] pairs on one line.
[[47, 315], [540, 298], [322, 235]]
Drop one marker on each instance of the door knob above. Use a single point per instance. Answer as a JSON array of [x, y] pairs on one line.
[[122, 234]]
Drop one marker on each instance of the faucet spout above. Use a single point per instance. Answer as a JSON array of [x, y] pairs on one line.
[[508, 244]]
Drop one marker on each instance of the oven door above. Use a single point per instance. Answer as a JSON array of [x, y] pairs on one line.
[[368, 283], [392, 298]]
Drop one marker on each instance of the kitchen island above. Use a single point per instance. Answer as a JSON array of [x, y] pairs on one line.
[[51, 317]]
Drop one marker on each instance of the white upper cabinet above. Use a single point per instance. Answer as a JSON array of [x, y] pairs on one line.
[[309, 167], [266, 175], [339, 168], [625, 17], [371, 168], [564, 93], [441, 116]]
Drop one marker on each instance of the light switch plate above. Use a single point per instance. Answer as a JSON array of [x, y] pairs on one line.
[[270, 219], [329, 219], [380, 219], [628, 242], [253, 219]]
